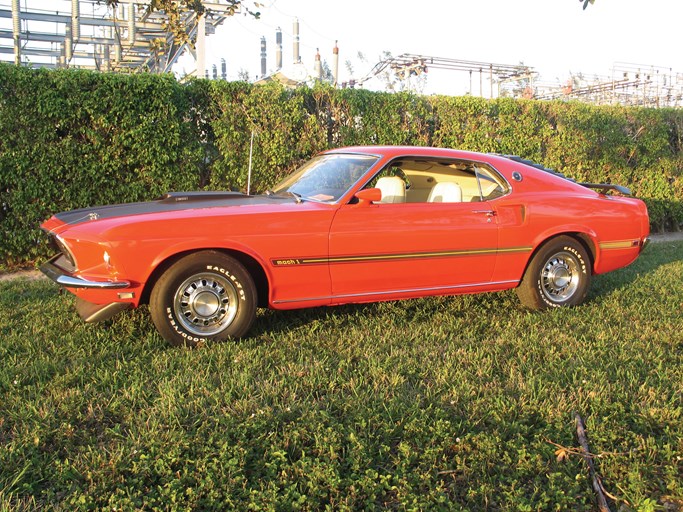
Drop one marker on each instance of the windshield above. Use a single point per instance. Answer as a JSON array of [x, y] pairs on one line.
[[326, 177]]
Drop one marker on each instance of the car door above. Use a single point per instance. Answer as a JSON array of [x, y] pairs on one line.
[[411, 249]]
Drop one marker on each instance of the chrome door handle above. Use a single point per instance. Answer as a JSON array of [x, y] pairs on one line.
[[489, 214]]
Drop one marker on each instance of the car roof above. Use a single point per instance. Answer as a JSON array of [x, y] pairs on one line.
[[426, 151]]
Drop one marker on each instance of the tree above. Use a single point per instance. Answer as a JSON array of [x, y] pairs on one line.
[[327, 73]]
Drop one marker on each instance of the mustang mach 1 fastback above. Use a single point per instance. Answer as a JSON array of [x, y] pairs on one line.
[[356, 224]]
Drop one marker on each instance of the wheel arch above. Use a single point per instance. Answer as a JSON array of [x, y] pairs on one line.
[[254, 267], [583, 238], [588, 244]]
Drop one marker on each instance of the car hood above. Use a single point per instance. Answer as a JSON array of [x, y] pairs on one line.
[[170, 202]]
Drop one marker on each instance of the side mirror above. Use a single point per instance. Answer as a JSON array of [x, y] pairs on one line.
[[368, 196]]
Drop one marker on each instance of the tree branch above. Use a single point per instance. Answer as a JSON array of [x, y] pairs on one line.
[[597, 483]]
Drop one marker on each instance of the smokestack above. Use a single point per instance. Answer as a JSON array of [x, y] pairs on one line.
[[200, 45], [215, 72], [224, 70], [263, 57], [335, 64], [318, 67], [297, 58], [278, 48]]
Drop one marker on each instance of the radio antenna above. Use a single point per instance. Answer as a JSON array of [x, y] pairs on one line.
[[251, 152]]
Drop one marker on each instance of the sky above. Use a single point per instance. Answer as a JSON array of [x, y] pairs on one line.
[[555, 37]]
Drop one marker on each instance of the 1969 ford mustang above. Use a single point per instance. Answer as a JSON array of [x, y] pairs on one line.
[[357, 224]]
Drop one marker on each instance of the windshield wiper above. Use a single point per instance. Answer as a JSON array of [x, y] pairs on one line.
[[297, 197]]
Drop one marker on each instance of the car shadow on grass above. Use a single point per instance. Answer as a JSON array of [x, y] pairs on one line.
[[394, 316], [271, 322]]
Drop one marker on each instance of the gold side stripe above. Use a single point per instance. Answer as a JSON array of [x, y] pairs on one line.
[[619, 244], [279, 262]]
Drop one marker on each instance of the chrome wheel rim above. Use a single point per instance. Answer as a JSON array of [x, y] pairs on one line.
[[205, 304], [560, 277]]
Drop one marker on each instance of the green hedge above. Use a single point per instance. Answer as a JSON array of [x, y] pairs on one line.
[[70, 139]]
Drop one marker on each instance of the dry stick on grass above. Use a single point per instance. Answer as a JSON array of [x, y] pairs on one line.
[[597, 484]]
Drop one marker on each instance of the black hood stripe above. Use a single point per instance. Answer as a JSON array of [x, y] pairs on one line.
[[171, 202]]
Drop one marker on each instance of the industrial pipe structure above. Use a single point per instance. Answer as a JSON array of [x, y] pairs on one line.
[[50, 38], [409, 64], [16, 31]]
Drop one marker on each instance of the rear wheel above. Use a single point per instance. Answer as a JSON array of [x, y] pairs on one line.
[[206, 295], [558, 275]]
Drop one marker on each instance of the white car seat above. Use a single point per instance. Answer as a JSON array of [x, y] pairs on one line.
[[393, 189], [445, 192]]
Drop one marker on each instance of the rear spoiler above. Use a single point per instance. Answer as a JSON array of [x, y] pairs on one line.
[[603, 188]]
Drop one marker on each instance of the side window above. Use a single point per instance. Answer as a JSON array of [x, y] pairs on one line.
[[491, 185], [414, 180], [393, 183], [392, 170]]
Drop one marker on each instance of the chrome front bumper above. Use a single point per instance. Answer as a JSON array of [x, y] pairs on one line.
[[62, 278]]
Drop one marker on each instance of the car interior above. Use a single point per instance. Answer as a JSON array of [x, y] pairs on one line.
[[435, 181]]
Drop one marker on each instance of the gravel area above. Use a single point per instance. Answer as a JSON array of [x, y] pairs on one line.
[[28, 274], [667, 237]]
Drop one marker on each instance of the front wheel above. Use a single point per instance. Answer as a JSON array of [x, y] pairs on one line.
[[558, 275], [206, 295]]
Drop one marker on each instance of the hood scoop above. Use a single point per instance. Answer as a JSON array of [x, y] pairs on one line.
[[179, 197]]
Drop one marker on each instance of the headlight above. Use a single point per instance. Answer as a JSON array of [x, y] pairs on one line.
[[61, 245]]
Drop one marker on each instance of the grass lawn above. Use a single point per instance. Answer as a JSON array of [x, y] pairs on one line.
[[445, 403]]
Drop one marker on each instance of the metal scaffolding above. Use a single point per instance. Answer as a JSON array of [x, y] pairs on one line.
[[503, 77], [629, 84], [88, 34]]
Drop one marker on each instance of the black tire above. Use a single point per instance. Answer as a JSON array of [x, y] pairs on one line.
[[558, 275], [204, 296]]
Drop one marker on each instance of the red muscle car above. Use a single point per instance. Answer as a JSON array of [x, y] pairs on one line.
[[356, 224]]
